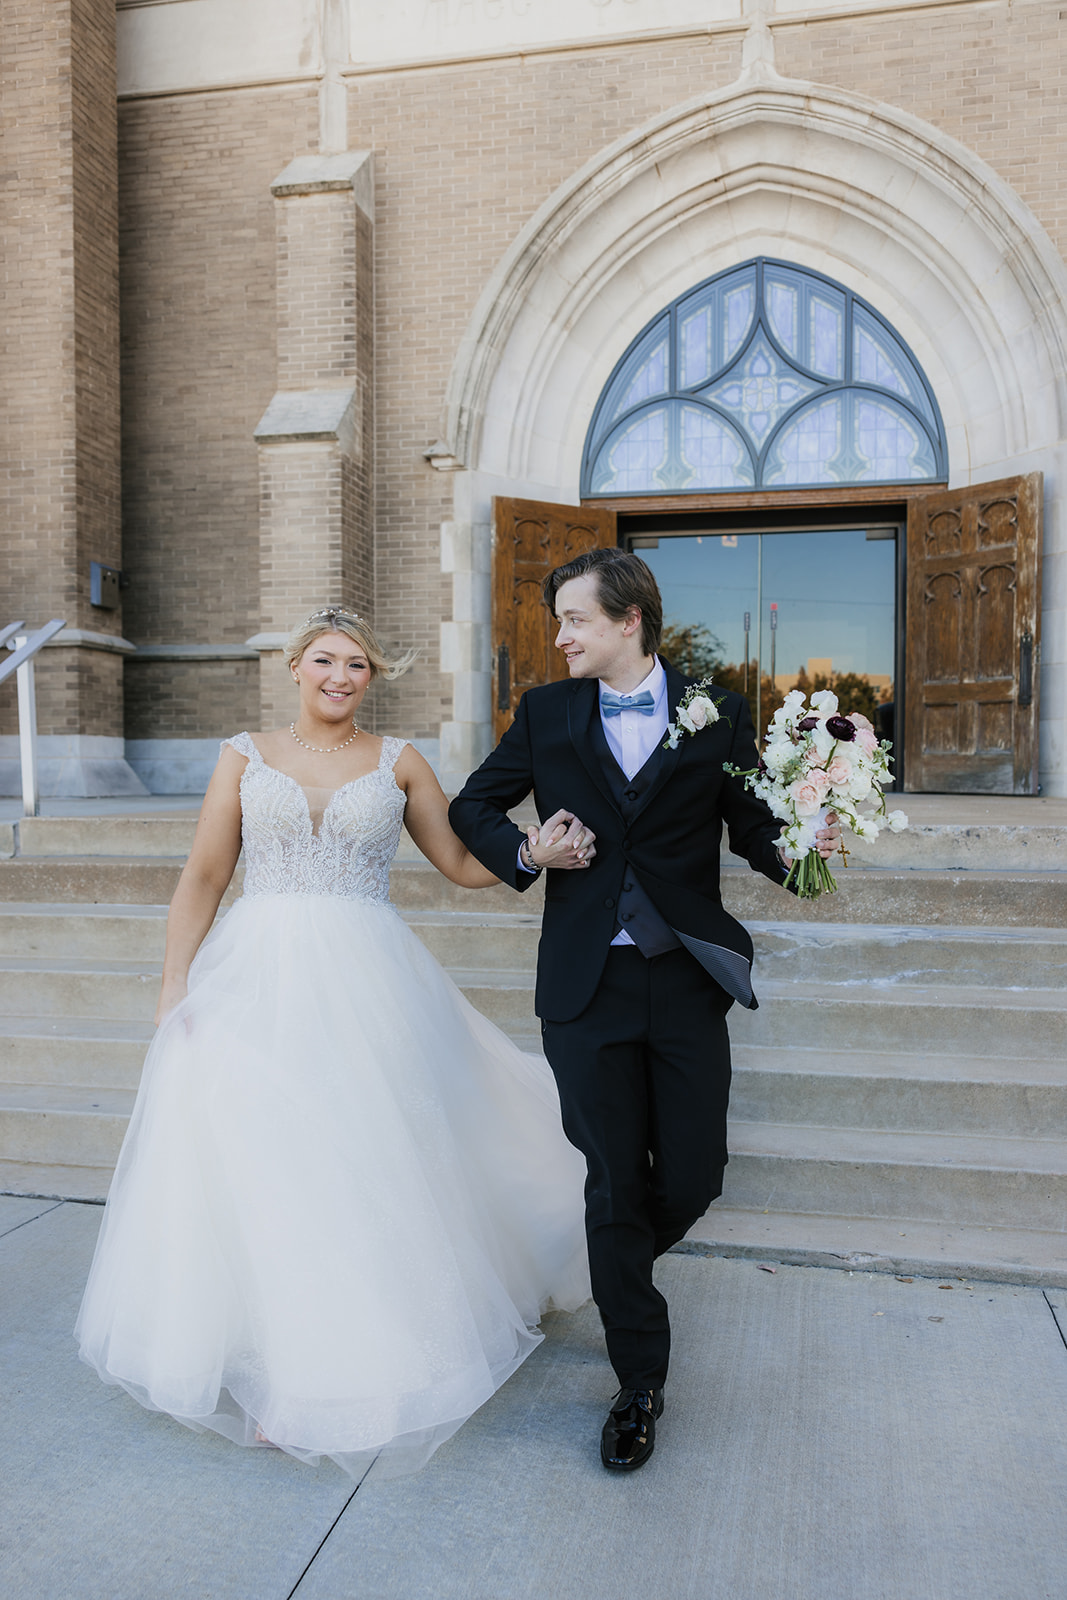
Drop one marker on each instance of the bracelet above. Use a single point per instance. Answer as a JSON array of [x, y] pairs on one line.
[[526, 856]]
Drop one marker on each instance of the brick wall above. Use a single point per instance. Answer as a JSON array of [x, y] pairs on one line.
[[992, 76], [464, 156], [191, 699], [199, 364], [59, 480]]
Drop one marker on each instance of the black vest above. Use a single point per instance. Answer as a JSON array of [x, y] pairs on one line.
[[634, 914]]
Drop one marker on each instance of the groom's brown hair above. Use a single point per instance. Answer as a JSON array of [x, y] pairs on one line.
[[623, 582]]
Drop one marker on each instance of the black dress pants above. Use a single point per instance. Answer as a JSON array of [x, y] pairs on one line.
[[644, 1081]]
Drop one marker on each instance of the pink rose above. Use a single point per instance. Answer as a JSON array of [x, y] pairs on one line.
[[858, 720], [838, 772], [806, 797], [822, 779], [867, 740]]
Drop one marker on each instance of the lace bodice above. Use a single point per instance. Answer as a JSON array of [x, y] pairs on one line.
[[299, 841]]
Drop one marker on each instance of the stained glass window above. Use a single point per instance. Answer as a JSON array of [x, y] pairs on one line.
[[767, 376]]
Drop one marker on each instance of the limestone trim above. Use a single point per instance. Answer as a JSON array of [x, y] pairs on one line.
[[789, 159], [231, 86], [312, 415], [321, 174], [194, 652], [85, 639]]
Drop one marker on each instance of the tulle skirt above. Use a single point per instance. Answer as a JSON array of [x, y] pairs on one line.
[[343, 1201]]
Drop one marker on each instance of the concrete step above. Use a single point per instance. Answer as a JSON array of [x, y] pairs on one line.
[[895, 1090], [959, 1253], [836, 953], [926, 897], [959, 847], [941, 1019], [50, 1180], [69, 1127], [471, 939], [82, 880], [870, 953], [920, 897], [65, 932], [959, 1178], [78, 988], [73, 1052], [157, 835], [505, 997]]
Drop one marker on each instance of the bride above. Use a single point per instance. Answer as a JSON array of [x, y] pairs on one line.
[[344, 1197]]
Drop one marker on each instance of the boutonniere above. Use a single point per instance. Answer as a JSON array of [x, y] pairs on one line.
[[696, 710]]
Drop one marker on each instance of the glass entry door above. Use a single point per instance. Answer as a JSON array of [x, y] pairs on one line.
[[764, 613]]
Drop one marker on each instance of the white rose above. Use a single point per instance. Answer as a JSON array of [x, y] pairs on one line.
[[897, 820], [686, 720], [859, 786], [702, 711]]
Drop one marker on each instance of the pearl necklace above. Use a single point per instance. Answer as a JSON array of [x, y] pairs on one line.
[[324, 749]]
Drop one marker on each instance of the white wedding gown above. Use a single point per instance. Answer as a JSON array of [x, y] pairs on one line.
[[344, 1197]]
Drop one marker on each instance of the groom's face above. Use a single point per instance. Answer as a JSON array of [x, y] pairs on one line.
[[595, 645]]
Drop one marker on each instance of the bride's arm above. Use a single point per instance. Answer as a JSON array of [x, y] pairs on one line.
[[426, 819], [205, 877]]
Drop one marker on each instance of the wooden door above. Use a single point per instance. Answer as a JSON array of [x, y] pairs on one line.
[[973, 621], [530, 538]]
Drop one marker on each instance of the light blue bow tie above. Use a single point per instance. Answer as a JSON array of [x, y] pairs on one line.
[[613, 705]]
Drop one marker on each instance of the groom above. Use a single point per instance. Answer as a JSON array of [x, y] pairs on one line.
[[638, 962]]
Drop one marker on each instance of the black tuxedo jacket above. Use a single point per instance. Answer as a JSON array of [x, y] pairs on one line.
[[670, 840]]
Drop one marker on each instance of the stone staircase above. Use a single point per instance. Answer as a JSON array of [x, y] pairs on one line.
[[900, 1097]]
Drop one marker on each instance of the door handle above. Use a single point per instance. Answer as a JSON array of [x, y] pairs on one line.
[[1026, 669], [503, 678]]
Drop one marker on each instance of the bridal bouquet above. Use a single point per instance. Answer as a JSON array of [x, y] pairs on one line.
[[815, 761]]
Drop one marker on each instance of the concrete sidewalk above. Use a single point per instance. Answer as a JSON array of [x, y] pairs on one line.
[[829, 1435]]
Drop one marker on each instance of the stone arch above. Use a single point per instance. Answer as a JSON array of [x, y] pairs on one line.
[[870, 196]]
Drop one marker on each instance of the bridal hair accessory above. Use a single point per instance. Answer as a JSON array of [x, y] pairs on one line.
[[696, 710], [333, 611], [323, 749], [814, 762]]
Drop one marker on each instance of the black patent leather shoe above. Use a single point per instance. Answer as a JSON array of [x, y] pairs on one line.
[[629, 1435]]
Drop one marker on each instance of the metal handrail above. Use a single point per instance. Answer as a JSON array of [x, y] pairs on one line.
[[24, 647]]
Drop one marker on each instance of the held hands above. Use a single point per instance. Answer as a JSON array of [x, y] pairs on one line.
[[563, 841]]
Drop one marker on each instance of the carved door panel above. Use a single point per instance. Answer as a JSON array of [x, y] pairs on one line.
[[530, 537], [973, 621]]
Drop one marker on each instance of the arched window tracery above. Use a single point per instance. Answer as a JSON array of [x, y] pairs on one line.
[[766, 376]]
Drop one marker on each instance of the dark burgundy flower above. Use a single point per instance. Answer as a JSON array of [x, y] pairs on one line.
[[841, 728], [761, 768], [807, 724]]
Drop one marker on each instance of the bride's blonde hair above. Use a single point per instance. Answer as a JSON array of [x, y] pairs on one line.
[[338, 619]]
